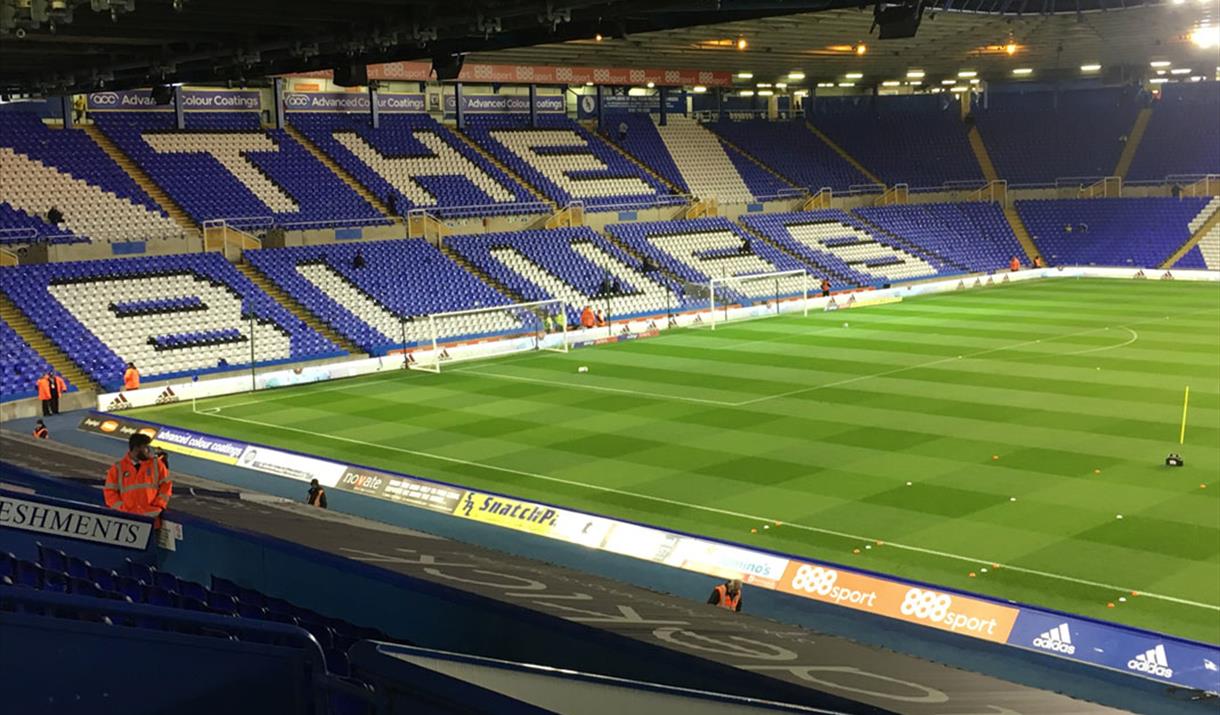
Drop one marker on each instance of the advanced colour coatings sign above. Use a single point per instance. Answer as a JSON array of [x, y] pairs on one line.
[[504, 103], [1184, 663], [351, 102], [27, 513], [197, 100]]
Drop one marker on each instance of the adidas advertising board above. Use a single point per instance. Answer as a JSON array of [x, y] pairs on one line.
[[1057, 640], [1152, 661]]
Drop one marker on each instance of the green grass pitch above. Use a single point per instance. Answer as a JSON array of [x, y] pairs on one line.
[[881, 429]]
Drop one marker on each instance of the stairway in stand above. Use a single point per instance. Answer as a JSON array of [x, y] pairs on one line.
[[538, 195], [12, 315], [142, 179], [482, 275], [297, 309]]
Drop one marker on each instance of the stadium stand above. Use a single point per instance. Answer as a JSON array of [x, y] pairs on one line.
[[416, 161], [376, 306], [1112, 232], [171, 315], [41, 167], [58, 572], [792, 150], [644, 143], [973, 236], [569, 264], [1183, 136], [919, 140], [1209, 245], [1038, 137], [225, 166], [696, 250], [567, 162], [22, 365], [841, 247]]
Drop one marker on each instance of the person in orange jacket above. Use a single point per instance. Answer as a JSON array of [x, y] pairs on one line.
[[139, 483], [599, 319], [58, 388], [727, 595], [44, 393], [131, 377], [1014, 265], [587, 319], [40, 430]]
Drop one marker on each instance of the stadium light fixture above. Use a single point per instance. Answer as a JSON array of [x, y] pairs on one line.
[[1158, 64], [746, 93], [588, 84], [699, 89], [826, 84], [745, 75], [1196, 78], [974, 80], [781, 85], [765, 93], [796, 75], [861, 49], [1179, 2], [1159, 80], [1180, 70], [598, 37], [948, 81], [1206, 36], [915, 74], [1094, 67], [763, 85], [1011, 48], [958, 89], [652, 85], [741, 43], [847, 84], [854, 75], [890, 83], [915, 82], [1023, 71], [966, 74]]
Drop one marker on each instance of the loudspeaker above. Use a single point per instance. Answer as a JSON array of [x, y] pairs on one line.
[[162, 94], [898, 21], [356, 75], [448, 67]]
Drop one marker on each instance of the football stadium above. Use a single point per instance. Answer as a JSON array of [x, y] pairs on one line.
[[570, 357]]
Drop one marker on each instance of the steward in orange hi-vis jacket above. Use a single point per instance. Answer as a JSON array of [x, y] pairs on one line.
[[131, 377], [139, 483]]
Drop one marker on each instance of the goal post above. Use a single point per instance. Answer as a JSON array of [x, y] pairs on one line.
[[480, 333], [757, 295]]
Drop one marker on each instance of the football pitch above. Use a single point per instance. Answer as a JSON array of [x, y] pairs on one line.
[[1009, 425]]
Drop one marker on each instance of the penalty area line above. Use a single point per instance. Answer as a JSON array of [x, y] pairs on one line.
[[722, 512]]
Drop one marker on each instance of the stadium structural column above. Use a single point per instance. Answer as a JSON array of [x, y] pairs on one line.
[[720, 108], [277, 104], [65, 109], [664, 115], [533, 106], [179, 116], [374, 112], [457, 107], [601, 108]]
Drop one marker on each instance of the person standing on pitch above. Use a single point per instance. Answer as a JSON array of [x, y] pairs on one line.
[[727, 595]]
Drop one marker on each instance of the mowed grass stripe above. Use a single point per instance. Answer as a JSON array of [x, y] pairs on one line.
[[838, 458]]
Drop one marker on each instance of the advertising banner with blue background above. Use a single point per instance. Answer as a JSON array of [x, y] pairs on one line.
[[1150, 655], [504, 103], [196, 100], [650, 104], [351, 102]]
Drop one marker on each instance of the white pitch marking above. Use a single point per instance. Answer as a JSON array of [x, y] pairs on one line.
[[601, 388], [714, 510]]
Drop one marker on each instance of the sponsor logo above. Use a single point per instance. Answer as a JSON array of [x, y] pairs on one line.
[[1057, 639], [73, 523], [923, 604], [1152, 662], [296, 101], [1209, 665], [823, 582], [1139, 274], [588, 103], [105, 99], [167, 396], [487, 507], [1166, 276], [109, 426], [120, 402]]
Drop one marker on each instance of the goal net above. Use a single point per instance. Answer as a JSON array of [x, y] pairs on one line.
[[757, 295], [464, 335]]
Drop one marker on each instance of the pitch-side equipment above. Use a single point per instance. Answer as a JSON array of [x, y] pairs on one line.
[[464, 335]]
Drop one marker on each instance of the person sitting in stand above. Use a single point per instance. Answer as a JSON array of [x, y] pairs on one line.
[[358, 260], [587, 319], [825, 287], [601, 319], [1014, 265], [1038, 262]]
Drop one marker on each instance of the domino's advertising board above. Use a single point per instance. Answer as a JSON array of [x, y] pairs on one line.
[[1146, 654]]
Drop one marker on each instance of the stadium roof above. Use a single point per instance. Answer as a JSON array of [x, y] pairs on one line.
[[114, 44]]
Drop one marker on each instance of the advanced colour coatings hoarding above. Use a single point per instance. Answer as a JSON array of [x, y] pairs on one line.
[[1171, 660]]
